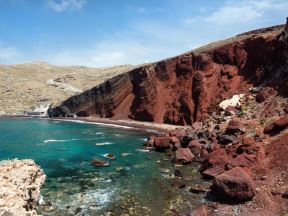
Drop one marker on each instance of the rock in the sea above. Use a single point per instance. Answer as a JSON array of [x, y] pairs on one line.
[[110, 156], [97, 162], [235, 185], [20, 185], [184, 155]]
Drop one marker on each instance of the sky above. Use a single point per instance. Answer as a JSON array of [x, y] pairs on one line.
[[100, 33]]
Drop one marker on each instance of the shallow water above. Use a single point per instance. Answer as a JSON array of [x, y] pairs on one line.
[[132, 184]]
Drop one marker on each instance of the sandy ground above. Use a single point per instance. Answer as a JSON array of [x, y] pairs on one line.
[[24, 86], [147, 126]]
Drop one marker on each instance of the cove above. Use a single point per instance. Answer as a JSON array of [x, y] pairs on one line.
[[132, 184]]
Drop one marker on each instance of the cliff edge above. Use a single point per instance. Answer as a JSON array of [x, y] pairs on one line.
[[185, 88]]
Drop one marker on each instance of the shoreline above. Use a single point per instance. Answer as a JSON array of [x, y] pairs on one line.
[[125, 124], [150, 127]]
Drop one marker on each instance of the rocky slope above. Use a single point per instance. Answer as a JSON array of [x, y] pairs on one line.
[[183, 89], [20, 185], [24, 87]]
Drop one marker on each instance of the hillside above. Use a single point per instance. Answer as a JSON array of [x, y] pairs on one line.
[[183, 89], [27, 86]]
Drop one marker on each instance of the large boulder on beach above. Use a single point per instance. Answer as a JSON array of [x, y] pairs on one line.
[[234, 185], [162, 143], [184, 155]]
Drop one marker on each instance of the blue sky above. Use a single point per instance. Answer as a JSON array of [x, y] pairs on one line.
[[109, 32]]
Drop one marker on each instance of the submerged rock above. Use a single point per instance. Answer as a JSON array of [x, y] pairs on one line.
[[96, 162]]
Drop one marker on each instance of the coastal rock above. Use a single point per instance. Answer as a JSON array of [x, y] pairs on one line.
[[181, 90], [195, 147], [96, 162], [162, 143], [184, 155], [20, 185], [234, 185], [213, 172]]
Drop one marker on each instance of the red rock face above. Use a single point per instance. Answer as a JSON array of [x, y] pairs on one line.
[[185, 88], [235, 185]]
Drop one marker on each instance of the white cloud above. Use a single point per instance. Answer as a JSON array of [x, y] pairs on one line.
[[152, 40], [65, 5]]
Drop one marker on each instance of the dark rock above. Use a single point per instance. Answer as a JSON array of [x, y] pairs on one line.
[[264, 94], [178, 185], [277, 126], [234, 185], [226, 139], [234, 126], [96, 162], [178, 173], [198, 189], [285, 195]]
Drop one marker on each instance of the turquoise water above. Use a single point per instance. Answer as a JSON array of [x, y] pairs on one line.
[[132, 184]]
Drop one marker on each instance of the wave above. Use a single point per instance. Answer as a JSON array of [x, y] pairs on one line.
[[54, 140], [104, 143]]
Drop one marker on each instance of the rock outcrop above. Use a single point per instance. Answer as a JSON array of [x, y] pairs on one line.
[[183, 89], [20, 184]]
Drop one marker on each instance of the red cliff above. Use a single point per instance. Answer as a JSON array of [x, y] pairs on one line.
[[183, 89]]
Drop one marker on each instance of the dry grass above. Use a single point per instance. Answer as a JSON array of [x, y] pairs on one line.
[[24, 86]]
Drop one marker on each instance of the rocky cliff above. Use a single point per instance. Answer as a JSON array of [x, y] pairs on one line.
[[183, 89], [20, 185]]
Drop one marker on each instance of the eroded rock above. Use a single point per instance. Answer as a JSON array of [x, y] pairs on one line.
[[20, 185]]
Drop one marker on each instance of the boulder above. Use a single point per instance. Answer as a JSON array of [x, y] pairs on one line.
[[234, 126], [277, 126], [97, 162], [232, 102], [235, 185], [226, 139], [162, 143], [264, 94], [195, 147], [213, 172], [184, 155], [177, 132]]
